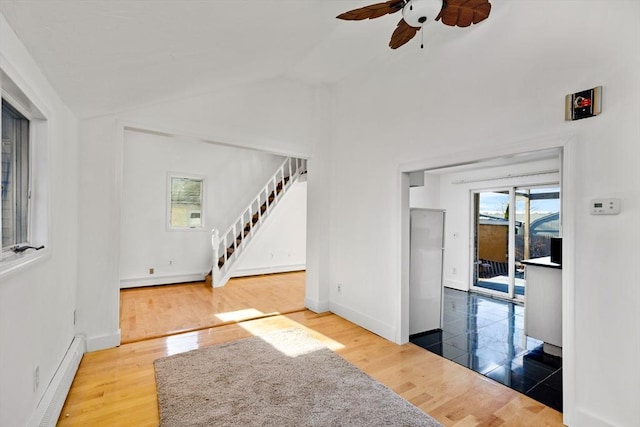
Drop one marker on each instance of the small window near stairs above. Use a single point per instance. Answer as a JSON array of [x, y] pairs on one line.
[[185, 202]]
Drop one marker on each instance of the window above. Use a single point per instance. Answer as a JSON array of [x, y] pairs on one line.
[[14, 175], [24, 178], [185, 210]]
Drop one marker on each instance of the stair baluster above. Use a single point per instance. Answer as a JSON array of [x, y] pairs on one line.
[[225, 251]]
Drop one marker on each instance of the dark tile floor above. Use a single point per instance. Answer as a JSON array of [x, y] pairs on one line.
[[487, 335]]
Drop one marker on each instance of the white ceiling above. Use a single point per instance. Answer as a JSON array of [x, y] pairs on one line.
[[104, 56]]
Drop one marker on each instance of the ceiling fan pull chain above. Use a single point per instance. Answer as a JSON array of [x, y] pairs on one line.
[[422, 37]]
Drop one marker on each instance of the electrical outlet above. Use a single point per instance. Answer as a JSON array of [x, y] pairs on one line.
[[36, 378], [339, 287], [151, 271], [454, 271], [170, 262]]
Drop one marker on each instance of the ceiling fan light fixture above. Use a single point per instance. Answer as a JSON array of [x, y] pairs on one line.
[[417, 12]]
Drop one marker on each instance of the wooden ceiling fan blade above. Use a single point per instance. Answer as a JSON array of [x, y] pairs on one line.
[[462, 13], [373, 10], [402, 34]]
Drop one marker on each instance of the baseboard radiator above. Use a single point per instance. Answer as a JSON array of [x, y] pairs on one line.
[[50, 406]]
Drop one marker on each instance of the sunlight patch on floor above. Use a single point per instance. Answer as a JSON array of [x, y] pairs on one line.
[[259, 329], [239, 315], [181, 343]]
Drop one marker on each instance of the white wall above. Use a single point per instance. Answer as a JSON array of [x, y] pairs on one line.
[[319, 178], [273, 116], [280, 245], [37, 303], [232, 177], [507, 89], [428, 195], [99, 239]]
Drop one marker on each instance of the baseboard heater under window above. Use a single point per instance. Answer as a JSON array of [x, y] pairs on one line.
[[52, 401]]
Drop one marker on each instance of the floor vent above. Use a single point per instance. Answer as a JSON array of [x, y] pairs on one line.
[[50, 406]]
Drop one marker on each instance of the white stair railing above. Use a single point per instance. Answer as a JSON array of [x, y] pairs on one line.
[[227, 246]]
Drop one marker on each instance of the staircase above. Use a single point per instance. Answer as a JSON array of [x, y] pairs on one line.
[[229, 246]]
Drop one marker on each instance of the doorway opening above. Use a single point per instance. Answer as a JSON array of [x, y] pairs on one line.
[[457, 238]]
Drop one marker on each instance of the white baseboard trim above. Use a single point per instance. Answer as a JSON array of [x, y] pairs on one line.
[[374, 325], [455, 284], [161, 280], [48, 410], [316, 306], [103, 342], [584, 418], [268, 270]]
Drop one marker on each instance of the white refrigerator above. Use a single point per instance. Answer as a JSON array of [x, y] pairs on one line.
[[425, 274]]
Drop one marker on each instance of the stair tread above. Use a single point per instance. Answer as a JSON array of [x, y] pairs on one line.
[[257, 215]]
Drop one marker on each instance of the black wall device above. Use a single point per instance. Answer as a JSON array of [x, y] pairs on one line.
[[556, 250]]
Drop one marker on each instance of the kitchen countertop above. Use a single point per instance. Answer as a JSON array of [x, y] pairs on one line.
[[541, 262]]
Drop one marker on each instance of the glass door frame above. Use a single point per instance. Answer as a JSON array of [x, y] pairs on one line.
[[512, 190], [511, 241]]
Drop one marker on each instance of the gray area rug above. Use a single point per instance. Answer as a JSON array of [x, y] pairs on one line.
[[285, 378]]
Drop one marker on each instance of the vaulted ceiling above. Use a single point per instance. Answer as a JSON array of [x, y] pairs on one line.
[[107, 56]]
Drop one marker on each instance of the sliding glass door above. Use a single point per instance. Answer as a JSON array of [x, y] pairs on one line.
[[538, 209], [491, 241], [510, 225]]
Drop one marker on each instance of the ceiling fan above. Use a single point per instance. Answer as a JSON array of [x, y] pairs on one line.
[[455, 13]]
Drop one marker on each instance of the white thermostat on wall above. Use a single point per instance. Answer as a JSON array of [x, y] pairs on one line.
[[605, 206]]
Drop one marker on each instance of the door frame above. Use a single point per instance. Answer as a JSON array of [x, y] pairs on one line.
[[567, 146], [510, 294]]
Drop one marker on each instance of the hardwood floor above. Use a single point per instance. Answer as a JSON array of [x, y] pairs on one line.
[[157, 311], [116, 387]]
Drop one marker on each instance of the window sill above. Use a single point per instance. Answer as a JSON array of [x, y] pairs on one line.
[[11, 264], [187, 229]]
